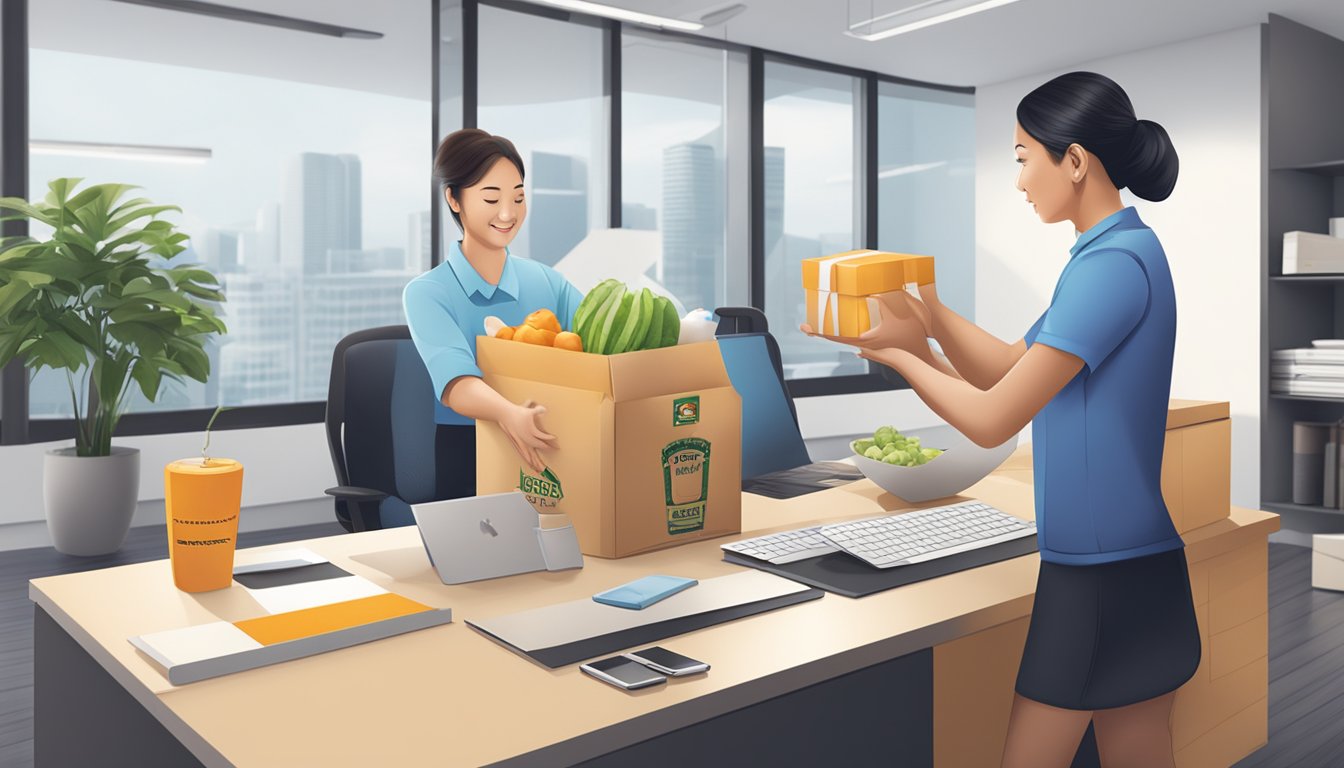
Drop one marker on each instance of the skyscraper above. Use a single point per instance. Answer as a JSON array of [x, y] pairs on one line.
[[558, 210], [418, 242], [256, 361], [693, 235], [321, 211], [335, 305]]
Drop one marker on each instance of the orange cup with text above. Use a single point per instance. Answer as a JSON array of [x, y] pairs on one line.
[[202, 500]]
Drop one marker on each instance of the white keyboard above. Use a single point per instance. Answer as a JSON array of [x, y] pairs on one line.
[[891, 540]]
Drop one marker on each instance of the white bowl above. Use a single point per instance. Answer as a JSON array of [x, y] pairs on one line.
[[961, 465]]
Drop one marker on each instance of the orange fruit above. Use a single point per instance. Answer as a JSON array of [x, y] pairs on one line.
[[545, 320], [531, 335], [570, 341], [505, 333]]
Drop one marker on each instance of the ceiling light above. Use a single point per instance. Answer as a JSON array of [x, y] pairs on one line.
[[721, 14], [152, 153], [921, 15], [257, 17], [621, 14]]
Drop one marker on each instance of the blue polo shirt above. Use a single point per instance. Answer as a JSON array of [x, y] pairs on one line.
[[1098, 442], [446, 309]]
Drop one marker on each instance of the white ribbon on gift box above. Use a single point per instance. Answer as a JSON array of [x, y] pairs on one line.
[[824, 294]]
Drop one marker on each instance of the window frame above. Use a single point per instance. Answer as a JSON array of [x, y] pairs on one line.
[[17, 428]]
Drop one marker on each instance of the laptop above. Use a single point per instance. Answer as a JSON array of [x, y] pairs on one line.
[[484, 537]]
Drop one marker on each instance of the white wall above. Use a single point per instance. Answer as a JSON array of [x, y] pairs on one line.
[[280, 464], [1206, 93]]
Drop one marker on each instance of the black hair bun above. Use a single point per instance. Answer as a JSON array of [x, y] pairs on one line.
[[1150, 166]]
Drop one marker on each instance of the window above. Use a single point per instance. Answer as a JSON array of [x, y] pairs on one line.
[[926, 183], [539, 84], [813, 202], [308, 199], [678, 133]]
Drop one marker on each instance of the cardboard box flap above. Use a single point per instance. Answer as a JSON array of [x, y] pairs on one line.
[[654, 372], [1183, 413], [563, 367]]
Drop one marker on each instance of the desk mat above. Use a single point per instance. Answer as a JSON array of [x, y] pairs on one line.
[[799, 481], [566, 633], [846, 575]]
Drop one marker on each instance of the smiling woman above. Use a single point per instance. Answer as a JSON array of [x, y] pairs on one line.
[[446, 307]]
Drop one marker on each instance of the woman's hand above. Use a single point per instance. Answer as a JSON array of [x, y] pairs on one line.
[[904, 324], [522, 425]]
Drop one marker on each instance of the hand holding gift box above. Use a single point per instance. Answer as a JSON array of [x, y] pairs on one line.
[[862, 295]]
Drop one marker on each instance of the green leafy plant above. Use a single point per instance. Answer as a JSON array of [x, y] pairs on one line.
[[99, 300]]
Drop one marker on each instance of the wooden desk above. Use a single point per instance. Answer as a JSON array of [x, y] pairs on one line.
[[449, 696]]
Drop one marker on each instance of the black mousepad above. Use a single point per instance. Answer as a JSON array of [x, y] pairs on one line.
[[799, 481]]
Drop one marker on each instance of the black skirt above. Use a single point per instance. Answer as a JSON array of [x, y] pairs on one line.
[[1110, 635]]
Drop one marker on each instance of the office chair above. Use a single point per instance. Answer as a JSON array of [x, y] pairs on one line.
[[380, 429], [771, 438]]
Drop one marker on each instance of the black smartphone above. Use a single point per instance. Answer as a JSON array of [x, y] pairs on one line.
[[668, 662], [623, 673]]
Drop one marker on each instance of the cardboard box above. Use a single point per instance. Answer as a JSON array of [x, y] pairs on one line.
[[1197, 463], [1327, 561], [840, 287], [648, 444]]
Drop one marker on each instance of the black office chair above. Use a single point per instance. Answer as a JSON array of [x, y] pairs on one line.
[[380, 428], [771, 438]]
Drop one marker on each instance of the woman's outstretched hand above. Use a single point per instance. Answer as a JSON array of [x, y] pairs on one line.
[[904, 324], [522, 425]]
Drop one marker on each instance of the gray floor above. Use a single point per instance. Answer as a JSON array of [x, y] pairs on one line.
[[1306, 668]]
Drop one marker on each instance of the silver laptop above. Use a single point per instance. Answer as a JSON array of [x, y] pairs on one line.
[[484, 537]]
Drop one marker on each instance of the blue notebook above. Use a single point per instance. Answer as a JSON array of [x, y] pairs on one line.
[[642, 593]]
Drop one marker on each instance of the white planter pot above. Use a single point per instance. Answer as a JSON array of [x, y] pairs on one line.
[[90, 499]]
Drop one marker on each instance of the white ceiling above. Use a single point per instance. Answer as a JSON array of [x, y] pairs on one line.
[[1000, 44]]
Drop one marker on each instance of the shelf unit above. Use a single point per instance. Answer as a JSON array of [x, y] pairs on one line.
[[1302, 188]]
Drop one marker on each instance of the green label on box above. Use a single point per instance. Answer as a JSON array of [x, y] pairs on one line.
[[686, 410], [686, 484], [542, 491]]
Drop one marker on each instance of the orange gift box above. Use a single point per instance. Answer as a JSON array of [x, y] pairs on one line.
[[840, 288]]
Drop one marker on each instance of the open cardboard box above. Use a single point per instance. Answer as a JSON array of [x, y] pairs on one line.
[[648, 444]]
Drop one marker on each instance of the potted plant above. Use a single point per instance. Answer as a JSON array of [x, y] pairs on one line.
[[98, 299]]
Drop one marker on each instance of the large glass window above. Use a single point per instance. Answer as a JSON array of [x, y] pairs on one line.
[[813, 202], [677, 132], [308, 196], [539, 84], [926, 183]]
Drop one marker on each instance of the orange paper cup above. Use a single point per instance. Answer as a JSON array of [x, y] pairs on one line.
[[202, 503]]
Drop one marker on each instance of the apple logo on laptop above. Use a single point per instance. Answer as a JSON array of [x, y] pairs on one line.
[[486, 527]]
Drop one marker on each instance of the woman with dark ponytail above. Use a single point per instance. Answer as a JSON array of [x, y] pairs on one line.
[[1113, 631]]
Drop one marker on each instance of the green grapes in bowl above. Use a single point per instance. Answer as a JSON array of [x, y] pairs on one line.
[[889, 446], [900, 464]]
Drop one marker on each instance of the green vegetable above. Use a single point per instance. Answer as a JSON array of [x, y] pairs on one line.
[[889, 446], [671, 323], [614, 324], [653, 337], [591, 330], [624, 341], [885, 436], [593, 302]]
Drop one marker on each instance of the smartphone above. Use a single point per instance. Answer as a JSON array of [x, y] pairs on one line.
[[667, 662], [623, 673]]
